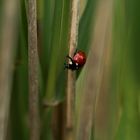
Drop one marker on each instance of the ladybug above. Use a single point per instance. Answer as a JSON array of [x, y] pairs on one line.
[[77, 61]]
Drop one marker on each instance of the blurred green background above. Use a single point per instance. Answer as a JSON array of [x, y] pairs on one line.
[[117, 103]]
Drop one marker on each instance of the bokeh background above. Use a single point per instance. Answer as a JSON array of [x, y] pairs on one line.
[[107, 96]]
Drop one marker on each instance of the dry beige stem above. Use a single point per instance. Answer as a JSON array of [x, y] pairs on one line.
[[33, 72], [72, 48], [71, 75]]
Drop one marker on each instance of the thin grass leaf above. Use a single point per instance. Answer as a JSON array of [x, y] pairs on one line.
[[19, 100], [55, 46]]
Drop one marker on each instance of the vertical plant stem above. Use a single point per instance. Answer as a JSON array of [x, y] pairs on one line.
[[70, 100], [71, 75], [33, 71], [7, 51]]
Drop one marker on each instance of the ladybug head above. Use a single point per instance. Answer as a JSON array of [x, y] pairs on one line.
[[71, 64]]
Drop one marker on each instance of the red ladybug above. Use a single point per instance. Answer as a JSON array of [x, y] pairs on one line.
[[77, 61]]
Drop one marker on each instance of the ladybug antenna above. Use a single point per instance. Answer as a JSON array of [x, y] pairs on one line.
[[70, 58]]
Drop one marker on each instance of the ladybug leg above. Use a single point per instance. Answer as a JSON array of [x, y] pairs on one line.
[[66, 66]]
